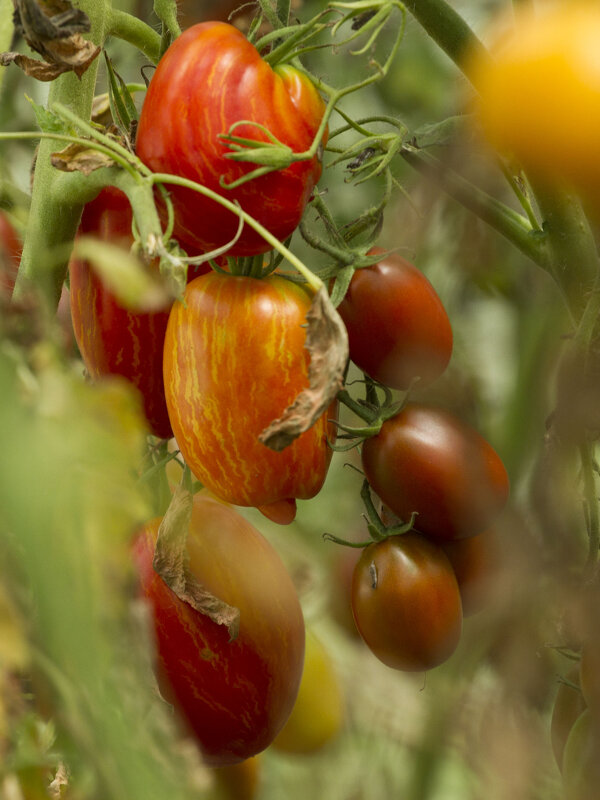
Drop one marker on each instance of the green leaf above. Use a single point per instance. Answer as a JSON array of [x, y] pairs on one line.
[[47, 121], [444, 132]]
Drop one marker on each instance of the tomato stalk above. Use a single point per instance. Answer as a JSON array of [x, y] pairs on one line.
[[53, 220], [131, 29]]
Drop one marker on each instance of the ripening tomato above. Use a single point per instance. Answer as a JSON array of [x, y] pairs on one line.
[[475, 562], [10, 254], [318, 714], [234, 360], [113, 340], [235, 695], [406, 602], [210, 78], [398, 329], [426, 460], [539, 97]]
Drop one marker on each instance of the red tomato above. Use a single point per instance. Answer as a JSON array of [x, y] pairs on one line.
[[235, 696], [113, 340], [406, 602], [398, 329], [426, 460], [475, 562], [210, 78], [10, 254], [234, 360]]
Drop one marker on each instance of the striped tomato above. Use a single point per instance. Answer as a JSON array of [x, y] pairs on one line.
[[234, 360], [113, 340], [210, 78], [235, 695], [10, 254]]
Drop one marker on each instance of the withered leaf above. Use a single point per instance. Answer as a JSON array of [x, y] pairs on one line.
[[33, 67], [171, 563], [78, 158], [327, 343], [52, 28]]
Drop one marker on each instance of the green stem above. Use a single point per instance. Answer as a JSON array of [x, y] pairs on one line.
[[449, 30], [131, 29], [6, 30], [166, 11], [313, 280], [512, 225], [53, 220]]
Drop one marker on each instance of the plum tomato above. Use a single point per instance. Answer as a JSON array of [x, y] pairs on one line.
[[406, 602], [234, 360], [398, 329], [475, 562], [318, 714], [426, 460], [233, 695], [113, 340], [210, 78]]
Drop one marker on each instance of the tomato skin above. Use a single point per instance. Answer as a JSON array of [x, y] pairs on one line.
[[234, 360], [318, 714], [10, 255], [112, 339], [426, 460], [398, 329], [210, 78], [234, 695], [406, 602], [539, 98]]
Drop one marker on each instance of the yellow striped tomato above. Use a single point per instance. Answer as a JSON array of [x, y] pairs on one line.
[[234, 360], [233, 695], [210, 78]]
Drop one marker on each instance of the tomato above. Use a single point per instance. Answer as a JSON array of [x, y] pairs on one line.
[[581, 768], [234, 360], [406, 602], [318, 714], [239, 781], [10, 254], [426, 460], [540, 95], [113, 340], [569, 704], [398, 329], [475, 562], [343, 563], [210, 78], [235, 696]]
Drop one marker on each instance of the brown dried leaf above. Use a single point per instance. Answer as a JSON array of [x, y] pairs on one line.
[[78, 158], [33, 67], [327, 342], [171, 563], [52, 28]]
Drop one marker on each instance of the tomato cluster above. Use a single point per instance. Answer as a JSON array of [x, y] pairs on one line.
[[411, 590]]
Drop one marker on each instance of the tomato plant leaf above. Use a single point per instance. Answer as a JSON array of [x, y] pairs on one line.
[[47, 121], [52, 29], [327, 342], [171, 563], [78, 158]]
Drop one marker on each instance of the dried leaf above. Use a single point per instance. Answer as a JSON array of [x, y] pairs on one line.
[[327, 342], [78, 158], [33, 67], [171, 563], [52, 28]]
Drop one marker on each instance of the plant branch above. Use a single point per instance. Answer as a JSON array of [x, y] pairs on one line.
[[131, 29]]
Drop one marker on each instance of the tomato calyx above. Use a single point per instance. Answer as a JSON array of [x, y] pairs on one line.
[[373, 411], [171, 563], [376, 527]]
